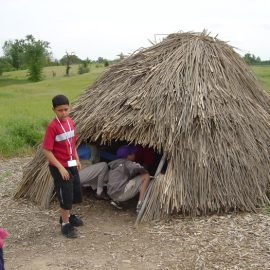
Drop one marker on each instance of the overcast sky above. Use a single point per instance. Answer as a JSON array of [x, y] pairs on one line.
[[108, 27]]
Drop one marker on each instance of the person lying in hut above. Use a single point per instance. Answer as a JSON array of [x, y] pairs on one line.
[[95, 176], [126, 178]]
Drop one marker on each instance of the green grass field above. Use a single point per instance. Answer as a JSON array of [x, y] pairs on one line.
[[263, 74], [25, 107]]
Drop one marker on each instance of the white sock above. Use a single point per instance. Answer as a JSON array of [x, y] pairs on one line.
[[63, 224], [99, 190]]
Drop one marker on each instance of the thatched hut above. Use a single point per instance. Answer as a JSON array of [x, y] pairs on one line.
[[192, 98]]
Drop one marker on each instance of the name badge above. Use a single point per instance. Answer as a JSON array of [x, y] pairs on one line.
[[72, 163]]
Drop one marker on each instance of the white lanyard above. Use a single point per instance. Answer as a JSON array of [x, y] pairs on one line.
[[68, 139]]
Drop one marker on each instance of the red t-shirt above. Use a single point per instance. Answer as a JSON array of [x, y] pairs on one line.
[[55, 140]]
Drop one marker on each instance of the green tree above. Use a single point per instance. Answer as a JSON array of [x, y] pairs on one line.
[[71, 57], [36, 54], [100, 59], [68, 60], [121, 56], [87, 60], [83, 67], [5, 65], [14, 52], [251, 59]]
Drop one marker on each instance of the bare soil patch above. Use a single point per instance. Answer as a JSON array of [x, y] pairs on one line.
[[109, 240]]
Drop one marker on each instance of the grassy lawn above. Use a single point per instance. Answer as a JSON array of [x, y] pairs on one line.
[[25, 107], [263, 74], [32, 100]]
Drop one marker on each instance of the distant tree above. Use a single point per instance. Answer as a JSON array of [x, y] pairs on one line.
[[100, 60], [68, 60], [251, 59], [88, 61], [5, 65], [51, 61], [14, 52], [83, 68], [36, 54], [73, 58], [121, 56]]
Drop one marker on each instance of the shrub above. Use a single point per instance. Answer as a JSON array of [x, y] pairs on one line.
[[29, 133], [4, 65], [83, 68], [19, 137]]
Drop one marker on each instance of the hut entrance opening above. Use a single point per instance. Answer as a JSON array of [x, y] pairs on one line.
[[91, 153]]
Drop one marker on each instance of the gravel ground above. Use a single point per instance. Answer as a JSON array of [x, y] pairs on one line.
[[109, 240]]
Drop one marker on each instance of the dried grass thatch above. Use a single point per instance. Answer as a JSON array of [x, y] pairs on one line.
[[192, 97]]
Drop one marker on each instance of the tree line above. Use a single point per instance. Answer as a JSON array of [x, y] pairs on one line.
[[251, 59], [34, 55]]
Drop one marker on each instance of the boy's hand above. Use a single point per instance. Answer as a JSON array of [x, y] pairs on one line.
[[64, 173]]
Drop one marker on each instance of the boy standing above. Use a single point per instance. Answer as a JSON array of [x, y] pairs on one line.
[[59, 148]]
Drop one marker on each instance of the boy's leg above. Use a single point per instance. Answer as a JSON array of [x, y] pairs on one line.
[[64, 215], [94, 175], [135, 185], [131, 189], [102, 177], [77, 191], [145, 182], [77, 195], [1, 259], [64, 191]]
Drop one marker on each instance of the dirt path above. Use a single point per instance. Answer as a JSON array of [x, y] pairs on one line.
[[108, 240]]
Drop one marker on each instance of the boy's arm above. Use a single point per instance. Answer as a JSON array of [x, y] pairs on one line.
[[135, 168], [50, 156]]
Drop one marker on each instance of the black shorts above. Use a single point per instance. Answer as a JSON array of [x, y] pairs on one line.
[[68, 191]]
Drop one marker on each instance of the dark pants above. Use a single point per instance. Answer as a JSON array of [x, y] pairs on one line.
[[68, 191], [1, 260]]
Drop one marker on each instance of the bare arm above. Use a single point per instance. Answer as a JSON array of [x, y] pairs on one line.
[[50, 156], [135, 168]]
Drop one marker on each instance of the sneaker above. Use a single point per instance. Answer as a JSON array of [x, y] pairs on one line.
[[102, 196], [139, 207], [73, 220], [116, 205], [68, 231]]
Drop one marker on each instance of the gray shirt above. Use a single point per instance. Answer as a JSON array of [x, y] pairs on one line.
[[121, 171]]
